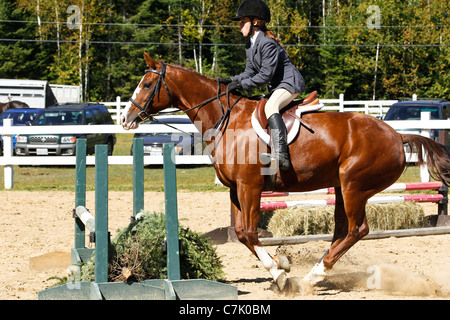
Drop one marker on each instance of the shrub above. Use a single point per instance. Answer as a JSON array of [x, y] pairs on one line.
[[136, 253]]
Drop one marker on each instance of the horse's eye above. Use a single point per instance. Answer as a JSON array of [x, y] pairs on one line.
[[147, 84]]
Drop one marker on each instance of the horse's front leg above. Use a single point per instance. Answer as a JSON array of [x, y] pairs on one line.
[[246, 209]]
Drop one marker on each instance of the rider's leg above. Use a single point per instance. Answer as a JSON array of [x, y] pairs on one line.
[[279, 99], [278, 135]]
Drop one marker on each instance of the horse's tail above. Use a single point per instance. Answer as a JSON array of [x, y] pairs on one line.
[[437, 156]]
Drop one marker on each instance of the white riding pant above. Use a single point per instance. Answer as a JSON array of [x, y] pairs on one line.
[[279, 99]]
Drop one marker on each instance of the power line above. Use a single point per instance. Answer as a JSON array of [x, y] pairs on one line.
[[217, 26], [229, 44]]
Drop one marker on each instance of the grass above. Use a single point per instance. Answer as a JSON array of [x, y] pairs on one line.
[[200, 178], [120, 178], [36, 178]]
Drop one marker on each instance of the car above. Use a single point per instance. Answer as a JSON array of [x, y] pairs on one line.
[[410, 110], [153, 142], [21, 117], [65, 144]]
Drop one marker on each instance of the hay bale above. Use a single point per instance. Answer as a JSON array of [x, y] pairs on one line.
[[320, 220], [301, 221], [395, 216]]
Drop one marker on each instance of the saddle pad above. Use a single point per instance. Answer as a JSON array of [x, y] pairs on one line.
[[294, 129], [291, 107]]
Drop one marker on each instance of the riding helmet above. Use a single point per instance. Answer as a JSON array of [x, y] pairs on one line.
[[253, 8]]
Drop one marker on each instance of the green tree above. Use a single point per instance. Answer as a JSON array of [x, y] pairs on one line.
[[328, 40], [18, 58]]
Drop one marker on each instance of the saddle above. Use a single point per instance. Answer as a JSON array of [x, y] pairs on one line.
[[291, 115]]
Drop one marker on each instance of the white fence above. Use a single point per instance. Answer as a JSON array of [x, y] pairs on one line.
[[115, 108], [376, 108], [373, 107], [8, 160]]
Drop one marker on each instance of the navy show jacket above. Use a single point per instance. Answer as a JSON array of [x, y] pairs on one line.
[[268, 63]]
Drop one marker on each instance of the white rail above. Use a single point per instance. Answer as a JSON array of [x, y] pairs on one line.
[[8, 160], [373, 107]]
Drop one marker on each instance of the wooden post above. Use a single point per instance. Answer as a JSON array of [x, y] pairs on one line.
[[138, 175], [8, 170], [170, 190], [80, 191], [118, 103], [101, 213], [424, 174]]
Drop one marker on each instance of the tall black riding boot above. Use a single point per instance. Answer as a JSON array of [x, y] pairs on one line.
[[278, 137]]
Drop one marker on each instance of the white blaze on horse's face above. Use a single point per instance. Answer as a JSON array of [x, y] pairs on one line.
[[128, 122]]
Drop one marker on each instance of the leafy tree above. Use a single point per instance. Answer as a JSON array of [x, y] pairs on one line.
[[17, 58], [328, 40]]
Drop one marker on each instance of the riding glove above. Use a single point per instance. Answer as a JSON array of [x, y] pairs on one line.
[[233, 85], [225, 80]]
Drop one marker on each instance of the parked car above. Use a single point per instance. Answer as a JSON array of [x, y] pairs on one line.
[[410, 110], [153, 142], [21, 117], [65, 144]]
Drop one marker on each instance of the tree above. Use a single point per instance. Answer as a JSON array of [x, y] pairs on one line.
[[195, 17], [17, 58], [328, 40]]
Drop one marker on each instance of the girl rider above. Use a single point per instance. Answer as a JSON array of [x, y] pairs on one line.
[[267, 63]]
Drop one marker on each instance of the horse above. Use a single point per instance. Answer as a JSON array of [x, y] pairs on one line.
[[12, 105], [357, 154]]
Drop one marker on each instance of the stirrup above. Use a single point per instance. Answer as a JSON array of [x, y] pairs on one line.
[[267, 158]]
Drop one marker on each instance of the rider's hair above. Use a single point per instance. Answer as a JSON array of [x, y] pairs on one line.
[[262, 26]]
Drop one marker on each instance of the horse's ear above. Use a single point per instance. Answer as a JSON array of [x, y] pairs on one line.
[[150, 62]]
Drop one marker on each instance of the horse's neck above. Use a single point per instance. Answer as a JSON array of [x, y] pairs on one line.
[[194, 92]]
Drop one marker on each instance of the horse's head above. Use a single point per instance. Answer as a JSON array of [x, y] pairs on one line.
[[151, 95]]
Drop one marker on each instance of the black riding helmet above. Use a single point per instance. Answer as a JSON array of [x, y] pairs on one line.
[[253, 8]]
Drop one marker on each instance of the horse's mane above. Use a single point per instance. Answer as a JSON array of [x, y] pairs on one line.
[[212, 81], [201, 76]]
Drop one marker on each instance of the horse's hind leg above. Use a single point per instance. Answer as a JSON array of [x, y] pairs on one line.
[[340, 219], [350, 226], [355, 208], [318, 272]]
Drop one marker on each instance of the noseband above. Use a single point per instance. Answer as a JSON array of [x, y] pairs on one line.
[[144, 114]]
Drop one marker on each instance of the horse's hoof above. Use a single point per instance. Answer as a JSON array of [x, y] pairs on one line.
[[315, 278], [283, 263], [316, 275], [281, 281]]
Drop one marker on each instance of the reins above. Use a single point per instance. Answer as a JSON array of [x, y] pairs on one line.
[[225, 118]]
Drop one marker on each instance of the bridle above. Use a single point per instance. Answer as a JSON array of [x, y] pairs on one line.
[[144, 115]]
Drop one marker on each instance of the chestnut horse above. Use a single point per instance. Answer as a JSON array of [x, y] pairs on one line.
[[356, 154], [12, 105]]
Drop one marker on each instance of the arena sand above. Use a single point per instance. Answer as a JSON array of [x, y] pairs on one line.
[[37, 232]]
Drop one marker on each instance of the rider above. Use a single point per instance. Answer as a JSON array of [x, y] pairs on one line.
[[267, 63]]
